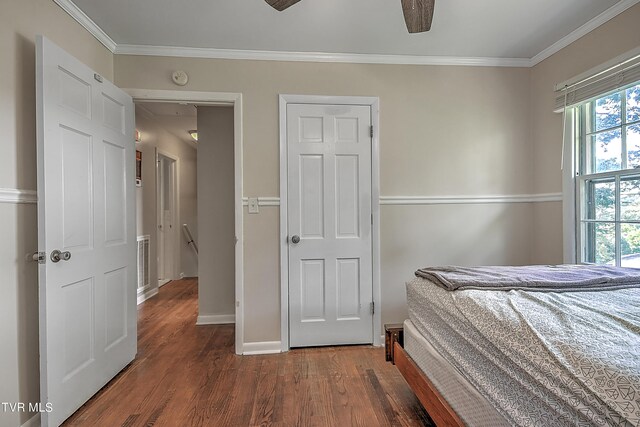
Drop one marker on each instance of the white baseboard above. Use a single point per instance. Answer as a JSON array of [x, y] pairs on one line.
[[216, 319], [265, 347], [146, 294], [32, 422]]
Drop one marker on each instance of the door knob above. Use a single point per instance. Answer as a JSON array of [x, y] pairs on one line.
[[295, 239], [57, 256]]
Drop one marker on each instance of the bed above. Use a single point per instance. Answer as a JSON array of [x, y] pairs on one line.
[[513, 355]]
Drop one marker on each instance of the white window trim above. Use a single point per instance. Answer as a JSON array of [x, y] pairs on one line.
[[570, 221], [573, 182], [628, 61]]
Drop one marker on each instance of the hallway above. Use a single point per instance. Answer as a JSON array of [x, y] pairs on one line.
[[185, 375]]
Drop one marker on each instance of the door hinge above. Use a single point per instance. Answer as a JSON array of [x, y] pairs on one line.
[[371, 219], [40, 257], [373, 307], [97, 77], [371, 131]]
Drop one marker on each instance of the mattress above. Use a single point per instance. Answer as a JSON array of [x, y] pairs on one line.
[[466, 401], [539, 358]]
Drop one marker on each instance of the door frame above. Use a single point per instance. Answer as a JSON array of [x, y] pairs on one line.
[[374, 103], [217, 98], [175, 204]]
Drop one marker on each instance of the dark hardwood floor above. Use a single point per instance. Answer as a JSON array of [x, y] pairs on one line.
[[187, 375]]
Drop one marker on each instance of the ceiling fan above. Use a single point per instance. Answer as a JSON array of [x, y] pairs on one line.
[[418, 14]]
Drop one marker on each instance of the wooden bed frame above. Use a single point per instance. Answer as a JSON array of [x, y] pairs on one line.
[[436, 406]]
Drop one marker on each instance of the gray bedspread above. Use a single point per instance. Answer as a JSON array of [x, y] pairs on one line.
[[541, 359], [557, 278]]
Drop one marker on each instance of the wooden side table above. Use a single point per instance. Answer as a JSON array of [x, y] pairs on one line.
[[393, 332]]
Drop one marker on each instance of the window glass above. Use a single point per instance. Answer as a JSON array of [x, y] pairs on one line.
[[633, 146], [601, 204], [608, 150], [609, 196], [608, 112], [633, 104], [630, 199], [630, 245], [604, 236]]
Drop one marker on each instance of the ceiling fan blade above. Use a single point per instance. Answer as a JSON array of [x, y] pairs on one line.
[[418, 14], [281, 5]]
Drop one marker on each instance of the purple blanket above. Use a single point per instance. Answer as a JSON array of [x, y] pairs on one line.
[[549, 278]]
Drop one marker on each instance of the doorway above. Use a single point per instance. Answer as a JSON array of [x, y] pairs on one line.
[[166, 194], [166, 211], [233, 100], [92, 241]]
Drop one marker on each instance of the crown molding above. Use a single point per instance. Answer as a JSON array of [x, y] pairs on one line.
[[599, 20], [82, 19], [13, 195], [352, 58]]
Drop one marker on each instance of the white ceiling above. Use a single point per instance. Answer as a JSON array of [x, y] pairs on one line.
[[461, 28], [176, 119]]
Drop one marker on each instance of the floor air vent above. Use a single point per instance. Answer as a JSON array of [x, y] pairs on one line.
[[143, 262]]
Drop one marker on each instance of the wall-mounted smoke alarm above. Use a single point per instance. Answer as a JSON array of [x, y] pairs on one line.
[[180, 77]]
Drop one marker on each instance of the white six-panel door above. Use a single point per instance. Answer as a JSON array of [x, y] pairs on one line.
[[329, 223], [86, 208], [166, 218]]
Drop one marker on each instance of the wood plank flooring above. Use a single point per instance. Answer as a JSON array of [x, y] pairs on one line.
[[187, 375]]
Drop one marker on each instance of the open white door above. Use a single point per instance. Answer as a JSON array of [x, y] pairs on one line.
[[86, 210]]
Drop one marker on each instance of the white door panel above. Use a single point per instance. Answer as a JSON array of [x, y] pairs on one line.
[[86, 206], [166, 206], [329, 208]]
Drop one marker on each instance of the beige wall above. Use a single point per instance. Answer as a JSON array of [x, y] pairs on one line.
[[614, 38], [444, 131], [216, 211], [417, 236], [154, 136], [20, 21]]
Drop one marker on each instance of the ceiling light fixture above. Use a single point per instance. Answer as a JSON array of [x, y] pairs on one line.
[[194, 134]]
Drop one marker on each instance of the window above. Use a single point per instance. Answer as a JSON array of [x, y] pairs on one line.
[[608, 197]]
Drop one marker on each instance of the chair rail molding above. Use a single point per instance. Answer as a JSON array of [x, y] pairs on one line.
[[443, 200], [470, 200], [263, 201], [15, 195]]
